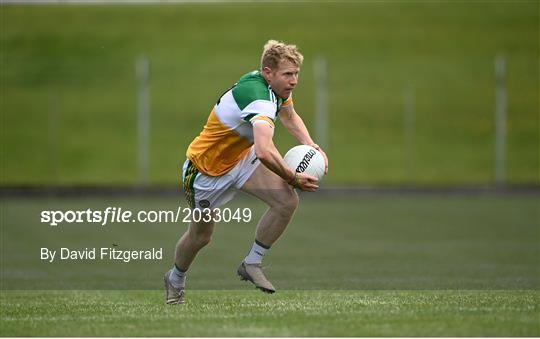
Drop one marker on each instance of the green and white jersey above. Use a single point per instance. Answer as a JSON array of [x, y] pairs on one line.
[[228, 133]]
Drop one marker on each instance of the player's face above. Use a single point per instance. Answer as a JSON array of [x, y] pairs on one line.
[[283, 79]]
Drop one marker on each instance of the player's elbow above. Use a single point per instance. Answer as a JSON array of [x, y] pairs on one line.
[[262, 153]]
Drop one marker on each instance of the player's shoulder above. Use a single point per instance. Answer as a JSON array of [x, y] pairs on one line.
[[252, 87]]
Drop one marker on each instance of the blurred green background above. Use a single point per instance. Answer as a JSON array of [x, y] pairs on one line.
[[69, 89]]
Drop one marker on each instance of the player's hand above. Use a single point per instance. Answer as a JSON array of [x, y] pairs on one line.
[[318, 148], [305, 182]]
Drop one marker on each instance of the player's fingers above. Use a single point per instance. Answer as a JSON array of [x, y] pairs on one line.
[[312, 187], [308, 186], [311, 178]]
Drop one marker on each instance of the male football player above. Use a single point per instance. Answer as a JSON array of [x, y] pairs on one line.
[[234, 152]]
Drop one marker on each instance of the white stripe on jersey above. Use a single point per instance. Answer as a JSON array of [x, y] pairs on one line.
[[260, 107], [230, 115], [272, 95]]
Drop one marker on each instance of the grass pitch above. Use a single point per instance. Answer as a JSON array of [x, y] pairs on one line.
[[346, 266], [345, 243], [286, 313]]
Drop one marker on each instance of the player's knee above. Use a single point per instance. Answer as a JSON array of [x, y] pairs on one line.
[[205, 239], [288, 202], [202, 239]]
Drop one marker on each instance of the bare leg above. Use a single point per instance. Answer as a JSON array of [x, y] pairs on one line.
[[281, 199], [282, 202], [194, 239]]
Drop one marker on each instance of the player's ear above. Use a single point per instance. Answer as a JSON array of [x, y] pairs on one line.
[[267, 70]]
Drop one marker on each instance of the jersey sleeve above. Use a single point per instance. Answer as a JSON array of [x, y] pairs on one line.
[[260, 111]]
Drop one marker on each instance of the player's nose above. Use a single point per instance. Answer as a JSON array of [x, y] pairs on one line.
[[294, 80]]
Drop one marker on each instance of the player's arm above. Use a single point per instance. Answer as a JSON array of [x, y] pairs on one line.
[[295, 125], [268, 154]]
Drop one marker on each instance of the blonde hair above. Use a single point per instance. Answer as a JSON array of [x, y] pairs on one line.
[[275, 51]]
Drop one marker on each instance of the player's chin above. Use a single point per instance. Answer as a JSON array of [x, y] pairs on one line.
[[286, 93]]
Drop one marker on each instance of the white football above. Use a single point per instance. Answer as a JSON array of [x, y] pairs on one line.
[[305, 159]]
